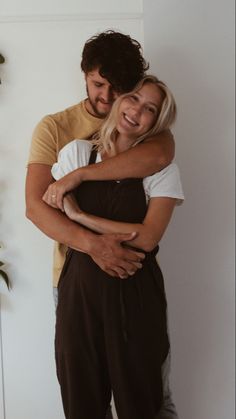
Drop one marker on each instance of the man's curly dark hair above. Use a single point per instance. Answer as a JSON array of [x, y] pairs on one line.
[[118, 58]]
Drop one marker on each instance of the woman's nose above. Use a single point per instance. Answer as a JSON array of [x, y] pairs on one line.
[[136, 109]]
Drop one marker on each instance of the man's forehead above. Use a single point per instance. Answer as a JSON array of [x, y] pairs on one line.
[[94, 74], [96, 77]]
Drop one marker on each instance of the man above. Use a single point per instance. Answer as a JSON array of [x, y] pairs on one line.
[[112, 64]]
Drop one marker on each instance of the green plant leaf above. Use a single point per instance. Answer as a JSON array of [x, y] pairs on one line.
[[2, 59], [5, 278]]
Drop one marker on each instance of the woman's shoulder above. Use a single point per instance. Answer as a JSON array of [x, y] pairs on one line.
[[167, 182], [172, 170], [74, 155], [79, 145]]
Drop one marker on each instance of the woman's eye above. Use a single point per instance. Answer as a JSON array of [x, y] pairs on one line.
[[149, 109], [98, 84]]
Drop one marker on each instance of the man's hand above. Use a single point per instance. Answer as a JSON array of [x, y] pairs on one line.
[[117, 261], [112, 257], [57, 190]]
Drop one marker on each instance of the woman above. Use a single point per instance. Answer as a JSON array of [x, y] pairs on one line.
[[112, 333]]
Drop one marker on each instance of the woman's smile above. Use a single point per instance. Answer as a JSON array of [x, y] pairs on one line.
[[130, 120]]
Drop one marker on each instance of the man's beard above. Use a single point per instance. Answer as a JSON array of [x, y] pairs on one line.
[[93, 104]]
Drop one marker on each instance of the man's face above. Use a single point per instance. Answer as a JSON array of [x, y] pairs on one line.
[[101, 94]]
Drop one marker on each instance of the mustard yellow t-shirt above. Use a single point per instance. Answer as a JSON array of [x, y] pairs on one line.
[[51, 134]]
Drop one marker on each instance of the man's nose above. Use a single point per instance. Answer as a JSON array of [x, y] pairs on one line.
[[108, 94]]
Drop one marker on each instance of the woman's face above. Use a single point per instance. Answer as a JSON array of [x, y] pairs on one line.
[[138, 111]]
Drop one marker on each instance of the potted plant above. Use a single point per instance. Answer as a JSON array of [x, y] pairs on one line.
[[2, 60], [4, 275]]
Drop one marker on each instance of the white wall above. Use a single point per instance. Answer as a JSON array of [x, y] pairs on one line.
[[190, 46], [29, 7]]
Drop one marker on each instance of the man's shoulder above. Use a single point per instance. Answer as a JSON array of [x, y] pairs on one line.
[[69, 113]]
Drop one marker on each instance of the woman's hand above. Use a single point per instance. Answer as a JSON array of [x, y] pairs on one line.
[[71, 207], [56, 191]]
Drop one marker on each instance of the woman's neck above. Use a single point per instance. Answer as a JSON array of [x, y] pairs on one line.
[[122, 143]]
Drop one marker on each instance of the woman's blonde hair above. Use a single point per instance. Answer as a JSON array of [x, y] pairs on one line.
[[105, 139]]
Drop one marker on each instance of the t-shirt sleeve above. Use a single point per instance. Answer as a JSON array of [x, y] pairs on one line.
[[74, 155], [43, 147], [166, 183]]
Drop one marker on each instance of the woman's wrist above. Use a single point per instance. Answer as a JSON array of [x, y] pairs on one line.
[[84, 219], [79, 215], [81, 174]]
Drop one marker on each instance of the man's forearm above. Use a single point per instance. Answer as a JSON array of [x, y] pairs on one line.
[[50, 221], [140, 161], [59, 227]]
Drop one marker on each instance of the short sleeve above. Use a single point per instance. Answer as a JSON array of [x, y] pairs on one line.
[[43, 147], [73, 156], [166, 183]]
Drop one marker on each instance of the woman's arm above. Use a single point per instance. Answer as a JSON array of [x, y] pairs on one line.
[[149, 233]]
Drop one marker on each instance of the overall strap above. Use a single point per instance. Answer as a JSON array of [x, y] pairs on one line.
[[93, 156]]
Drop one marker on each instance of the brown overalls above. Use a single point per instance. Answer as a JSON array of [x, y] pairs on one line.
[[111, 334]]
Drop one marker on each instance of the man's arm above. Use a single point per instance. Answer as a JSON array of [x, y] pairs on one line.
[[138, 162], [106, 250]]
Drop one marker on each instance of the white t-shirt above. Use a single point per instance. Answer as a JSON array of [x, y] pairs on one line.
[[165, 183]]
